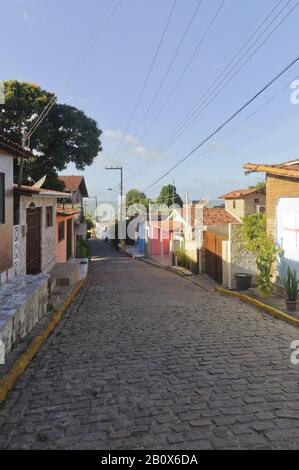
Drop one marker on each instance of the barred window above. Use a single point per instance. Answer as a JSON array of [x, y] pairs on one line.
[[2, 198], [49, 216], [61, 231]]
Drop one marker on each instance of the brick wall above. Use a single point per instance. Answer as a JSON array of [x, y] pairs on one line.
[[278, 187]]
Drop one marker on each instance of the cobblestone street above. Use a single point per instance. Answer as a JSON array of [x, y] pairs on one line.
[[144, 359]]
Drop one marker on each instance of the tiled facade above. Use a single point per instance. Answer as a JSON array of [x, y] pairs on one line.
[[6, 229]]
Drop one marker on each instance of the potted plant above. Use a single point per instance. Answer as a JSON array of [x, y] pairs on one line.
[[291, 285]]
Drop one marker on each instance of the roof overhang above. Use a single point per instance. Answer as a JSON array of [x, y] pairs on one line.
[[40, 192], [13, 149], [270, 169]]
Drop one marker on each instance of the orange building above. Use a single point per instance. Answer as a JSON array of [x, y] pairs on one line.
[[65, 233]]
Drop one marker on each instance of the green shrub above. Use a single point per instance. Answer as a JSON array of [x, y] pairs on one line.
[[291, 284], [82, 248], [256, 240], [185, 261]]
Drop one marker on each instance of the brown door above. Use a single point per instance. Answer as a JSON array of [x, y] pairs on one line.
[[69, 239], [213, 255], [33, 260]]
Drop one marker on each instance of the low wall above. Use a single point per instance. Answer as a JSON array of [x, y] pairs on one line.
[[236, 258], [23, 302]]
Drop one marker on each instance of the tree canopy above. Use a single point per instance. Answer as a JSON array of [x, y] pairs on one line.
[[134, 196], [168, 195], [261, 185], [66, 135]]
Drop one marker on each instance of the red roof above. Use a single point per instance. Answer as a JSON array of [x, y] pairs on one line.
[[72, 183], [211, 216], [218, 216], [239, 193]]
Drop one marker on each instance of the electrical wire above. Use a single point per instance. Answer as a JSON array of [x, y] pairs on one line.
[[227, 121]]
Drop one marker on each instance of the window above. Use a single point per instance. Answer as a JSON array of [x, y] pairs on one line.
[[49, 216], [60, 231], [2, 198], [234, 204], [256, 201]]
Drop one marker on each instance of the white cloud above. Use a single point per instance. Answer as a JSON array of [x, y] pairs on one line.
[[136, 147]]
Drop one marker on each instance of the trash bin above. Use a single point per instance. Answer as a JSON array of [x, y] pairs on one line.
[[243, 281]]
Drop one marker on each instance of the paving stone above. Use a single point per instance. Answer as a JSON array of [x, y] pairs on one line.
[[143, 359]]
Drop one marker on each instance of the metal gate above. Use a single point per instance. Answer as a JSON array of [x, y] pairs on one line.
[[213, 255], [33, 259]]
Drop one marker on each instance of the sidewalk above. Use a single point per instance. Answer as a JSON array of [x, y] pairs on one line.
[[133, 252]]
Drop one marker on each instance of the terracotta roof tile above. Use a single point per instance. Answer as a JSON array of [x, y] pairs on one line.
[[239, 193], [72, 183], [215, 216]]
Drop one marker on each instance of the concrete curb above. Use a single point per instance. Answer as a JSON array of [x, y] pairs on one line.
[[275, 312], [8, 381]]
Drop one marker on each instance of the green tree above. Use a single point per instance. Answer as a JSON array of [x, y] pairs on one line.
[[255, 239], [168, 195], [261, 185], [134, 196], [66, 135]]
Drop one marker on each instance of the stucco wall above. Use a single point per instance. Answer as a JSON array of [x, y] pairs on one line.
[[240, 207], [251, 205], [6, 229], [48, 234], [278, 187], [246, 205], [61, 247]]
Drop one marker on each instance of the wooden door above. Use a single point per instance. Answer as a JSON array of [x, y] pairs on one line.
[[33, 243], [213, 255]]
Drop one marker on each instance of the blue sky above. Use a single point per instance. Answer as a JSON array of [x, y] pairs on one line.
[[41, 40]]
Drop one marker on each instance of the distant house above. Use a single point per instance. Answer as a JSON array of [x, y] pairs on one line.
[[282, 209], [66, 233], [8, 151], [243, 202], [197, 230], [77, 187]]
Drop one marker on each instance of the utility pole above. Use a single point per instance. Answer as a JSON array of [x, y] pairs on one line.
[[120, 168]]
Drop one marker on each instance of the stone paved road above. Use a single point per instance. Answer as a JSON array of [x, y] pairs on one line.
[[145, 359]]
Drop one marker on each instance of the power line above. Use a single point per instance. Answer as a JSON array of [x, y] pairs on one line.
[[227, 121], [185, 122], [272, 98], [199, 44], [74, 68], [204, 103], [178, 48], [148, 75]]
